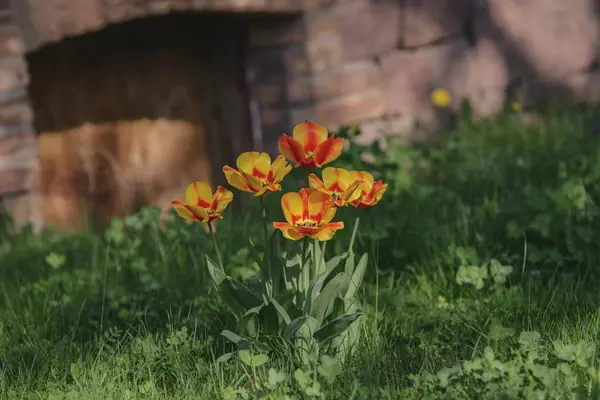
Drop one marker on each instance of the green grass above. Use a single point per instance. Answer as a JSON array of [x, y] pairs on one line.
[[482, 283]]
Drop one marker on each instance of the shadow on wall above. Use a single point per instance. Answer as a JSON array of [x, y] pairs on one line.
[[531, 51], [128, 116]]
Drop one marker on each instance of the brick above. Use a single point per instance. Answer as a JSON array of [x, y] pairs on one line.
[[11, 43], [181, 5], [45, 17], [548, 38], [317, 4], [269, 94], [18, 152], [82, 16], [300, 114], [13, 73], [272, 117], [295, 60], [411, 75], [299, 89], [428, 21], [352, 108], [116, 10], [276, 31], [349, 78], [369, 28], [325, 53], [322, 24], [16, 113], [13, 181], [159, 6]]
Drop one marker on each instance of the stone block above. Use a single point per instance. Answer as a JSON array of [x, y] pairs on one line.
[[349, 78], [429, 21], [13, 73], [351, 109], [369, 28]]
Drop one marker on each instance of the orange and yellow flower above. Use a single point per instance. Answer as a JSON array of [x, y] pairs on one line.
[[338, 183], [371, 191], [256, 174], [308, 213], [309, 147], [200, 203]]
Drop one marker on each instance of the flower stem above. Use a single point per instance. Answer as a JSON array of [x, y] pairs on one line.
[[216, 246], [266, 233]]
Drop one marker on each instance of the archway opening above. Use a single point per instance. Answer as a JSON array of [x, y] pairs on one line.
[[129, 115]]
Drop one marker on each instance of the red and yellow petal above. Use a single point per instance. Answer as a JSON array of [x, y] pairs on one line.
[[289, 231], [291, 148], [310, 135], [221, 200], [327, 231], [255, 164], [352, 192], [199, 194], [328, 151], [190, 212], [319, 206], [292, 206], [279, 169], [236, 179], [254, 184], [316, 183]]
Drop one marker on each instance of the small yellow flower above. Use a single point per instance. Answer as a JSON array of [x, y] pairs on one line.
[[516, 106], [441, 98], [201, 205], [256, 173]]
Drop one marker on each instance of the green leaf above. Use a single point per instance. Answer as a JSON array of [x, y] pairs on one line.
[[281, 311], [243, 295], [233, 337], [215, 271], [259, 360], [313, 291], [357, 277], [335, 261], [323, 304], [254, 310], [336, 327], [304, 326], [225, 357], [246, 357], [275, 377], [291, 329]]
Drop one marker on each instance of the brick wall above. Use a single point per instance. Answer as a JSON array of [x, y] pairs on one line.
[[373, 62]]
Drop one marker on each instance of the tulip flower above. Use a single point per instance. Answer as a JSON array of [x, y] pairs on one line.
[[256, 173], [200, 203], [371, 191], [338, 183], [309, 147], [308, 213]]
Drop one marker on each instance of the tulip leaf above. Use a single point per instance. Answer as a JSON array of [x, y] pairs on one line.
[[333, 329], [236, 339], [313, 291], [323, 304], [281, 311], [238, 293], [305, 325], [291, 329], [215, 271], [357, 277], [335, 261]]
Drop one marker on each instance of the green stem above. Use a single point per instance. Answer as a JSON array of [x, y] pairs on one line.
[[304, 250], [266, 233], [216, 246]]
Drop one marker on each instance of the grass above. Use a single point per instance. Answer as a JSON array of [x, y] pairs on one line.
[[482, 283]]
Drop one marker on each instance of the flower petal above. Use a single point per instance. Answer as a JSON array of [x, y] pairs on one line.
[[291, 148], [255, 164], [288, 231], [235, 179], [292, 206], [279, 169], [316, 183], [199, 194], [254, 184], [364, 177], [319, 204], [190, 212], [327, 231], [352, 192], [310, 135], [328, 151], [221, 199]]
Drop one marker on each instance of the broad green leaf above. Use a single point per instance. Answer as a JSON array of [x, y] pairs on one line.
[[254, 310], [281, 311], [304, 326], [324, 302], [335, 261], [259, 360], [335, 327], [246, 357], [244, 295], [313, 291], [291, 329], [234, 338], [215, 271], [357, 277]]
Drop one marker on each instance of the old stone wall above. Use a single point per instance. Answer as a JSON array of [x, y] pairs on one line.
[[339, 62]]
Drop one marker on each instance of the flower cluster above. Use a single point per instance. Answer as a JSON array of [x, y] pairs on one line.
[[308, 212]]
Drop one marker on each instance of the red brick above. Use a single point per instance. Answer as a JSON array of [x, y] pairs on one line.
[[295, 60], [82, 16], [349, 78], [269, 94], [322, 24], [300, 89], [272, 117], [352, 108], [13, 181], [16, 113], [11, 43], [369, 28], [13, 73], [45, 17], [300, 114], [181, 5], [276, 31], [428, 21], [325, 53], [116, 10]]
